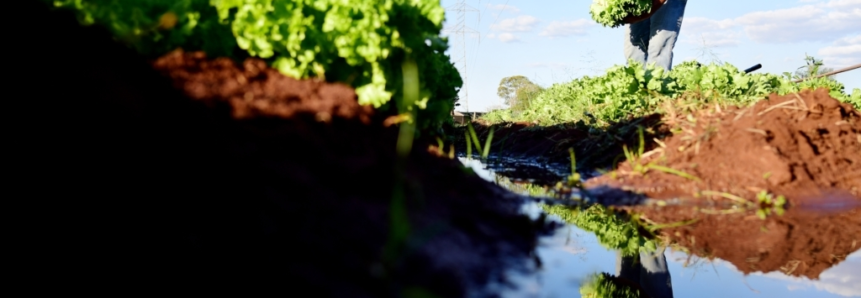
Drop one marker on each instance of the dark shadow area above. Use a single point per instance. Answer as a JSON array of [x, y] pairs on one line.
[[133, 185]]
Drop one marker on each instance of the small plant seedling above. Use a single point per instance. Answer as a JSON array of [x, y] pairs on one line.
[[574, 178], [635, 160], [468, 145], [768, 204], [472, 136]]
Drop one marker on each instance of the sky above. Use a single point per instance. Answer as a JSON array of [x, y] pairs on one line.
[[557, 41]]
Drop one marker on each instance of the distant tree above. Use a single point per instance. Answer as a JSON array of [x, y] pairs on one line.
[[517, 91], [814, 67]]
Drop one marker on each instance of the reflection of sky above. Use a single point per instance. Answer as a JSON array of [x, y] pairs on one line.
[[843, 279], [571, 255]]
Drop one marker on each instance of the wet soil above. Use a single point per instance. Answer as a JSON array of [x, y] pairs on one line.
[[802, 242], [198, 174], [798, 145], [806, 147], [594, 147]]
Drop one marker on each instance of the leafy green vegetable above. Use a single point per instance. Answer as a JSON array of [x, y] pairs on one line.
[[350, 40], [359, 42], [610, 13], [855, 98], [613, 232], [154, 27], [634, 90]]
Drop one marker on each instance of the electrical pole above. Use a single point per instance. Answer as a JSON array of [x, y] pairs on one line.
[[459, 31]]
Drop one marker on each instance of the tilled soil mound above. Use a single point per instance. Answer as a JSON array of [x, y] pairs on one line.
[[802, 242], [204, 175], [254, 90], [797, 145]]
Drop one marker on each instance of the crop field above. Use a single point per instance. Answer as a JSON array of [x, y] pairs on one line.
[[308, 146]]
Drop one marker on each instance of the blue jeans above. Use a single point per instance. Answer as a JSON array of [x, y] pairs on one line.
[[649, 271], [652, 40]]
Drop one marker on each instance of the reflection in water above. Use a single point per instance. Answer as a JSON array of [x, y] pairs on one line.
[[641, 267], [646, 275], [573, 257], [806, 254]]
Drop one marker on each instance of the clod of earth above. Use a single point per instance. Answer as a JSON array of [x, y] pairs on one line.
[[796, 145]]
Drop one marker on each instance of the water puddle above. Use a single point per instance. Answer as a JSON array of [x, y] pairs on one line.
[[601, 254]]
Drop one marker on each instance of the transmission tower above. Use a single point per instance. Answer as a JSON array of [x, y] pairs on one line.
[[459, 31]]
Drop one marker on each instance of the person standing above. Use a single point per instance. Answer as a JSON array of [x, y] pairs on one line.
[[652, 40]]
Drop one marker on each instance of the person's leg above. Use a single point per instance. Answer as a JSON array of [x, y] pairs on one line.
[[637, 41], [665, 25], [655, 276], [627, 267]]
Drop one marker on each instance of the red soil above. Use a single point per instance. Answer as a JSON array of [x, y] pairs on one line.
[[255, 90], [802, 242], [797, 145]]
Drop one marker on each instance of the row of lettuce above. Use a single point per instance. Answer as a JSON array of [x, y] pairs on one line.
[[635, 90], [358, 42]]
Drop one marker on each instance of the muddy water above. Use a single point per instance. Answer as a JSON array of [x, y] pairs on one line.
[[571, 257]]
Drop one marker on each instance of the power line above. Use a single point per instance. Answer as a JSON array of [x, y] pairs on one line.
[[460, 30]]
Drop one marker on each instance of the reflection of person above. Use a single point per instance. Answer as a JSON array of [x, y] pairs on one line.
[[652, 40], [650, 273], [646, 277]]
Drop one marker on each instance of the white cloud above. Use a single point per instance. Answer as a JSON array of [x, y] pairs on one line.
[[700, 24], [710, 33], [844, 52], [503, 7], [523, 23], [817, 22], [716, 39], [565, 29], [849, 40], [507, 37], [844, 4], [548, 65], [804, 23], [844, 279]]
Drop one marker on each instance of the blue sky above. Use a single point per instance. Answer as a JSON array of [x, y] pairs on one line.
[[557, 41]]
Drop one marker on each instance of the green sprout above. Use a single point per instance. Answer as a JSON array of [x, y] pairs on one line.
[[635, 159], [472, 136], [574, 178], [768, 204]]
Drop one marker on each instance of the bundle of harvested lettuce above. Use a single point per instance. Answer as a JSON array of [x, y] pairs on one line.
[[613, 13]]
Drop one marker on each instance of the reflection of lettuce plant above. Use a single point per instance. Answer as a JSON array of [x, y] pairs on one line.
[[610, 13], [613, 231], [604, 286]]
